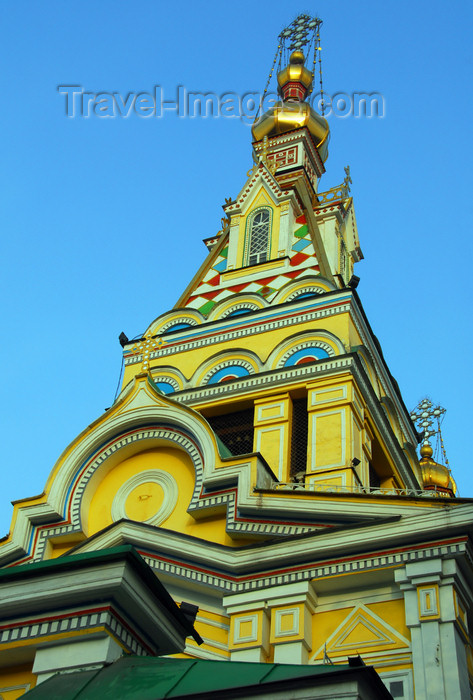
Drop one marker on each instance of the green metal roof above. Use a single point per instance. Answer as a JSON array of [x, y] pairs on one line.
[[72, 562], [151, 678]]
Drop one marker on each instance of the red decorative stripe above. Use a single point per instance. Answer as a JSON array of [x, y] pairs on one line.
[[287, 570], [50, 618], [266, 280]]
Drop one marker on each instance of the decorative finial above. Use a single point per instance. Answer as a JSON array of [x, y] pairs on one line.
[[347, 181], [437, 478], [302, 33], [424, 416]]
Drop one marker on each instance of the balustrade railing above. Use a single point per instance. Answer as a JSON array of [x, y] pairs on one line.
[[355, 488]]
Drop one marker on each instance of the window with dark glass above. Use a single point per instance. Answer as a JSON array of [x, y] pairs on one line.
[[235, 430], [299, 436]]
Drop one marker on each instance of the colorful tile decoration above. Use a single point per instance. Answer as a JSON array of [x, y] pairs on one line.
[[212, 289]]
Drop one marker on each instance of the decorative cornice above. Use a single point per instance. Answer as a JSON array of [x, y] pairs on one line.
[[274, 378], [279, 574], [316, 555], [260, 322], [366, 337], [47, 628]]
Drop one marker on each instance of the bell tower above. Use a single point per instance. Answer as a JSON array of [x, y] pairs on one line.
[[260, 459]]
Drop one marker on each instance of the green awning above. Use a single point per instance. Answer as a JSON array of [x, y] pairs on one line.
[[153, 678]]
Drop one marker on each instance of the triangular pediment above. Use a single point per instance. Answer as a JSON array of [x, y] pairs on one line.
[[260, 177], [361, 632]]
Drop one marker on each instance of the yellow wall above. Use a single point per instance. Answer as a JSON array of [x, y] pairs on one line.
[[188, 361], [15, 682], [179, 466]]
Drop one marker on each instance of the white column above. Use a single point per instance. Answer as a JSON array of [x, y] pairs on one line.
[[434, 595]]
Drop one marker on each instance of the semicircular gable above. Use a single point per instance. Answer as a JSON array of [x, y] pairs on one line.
[[238, 303], [306, 286], [227, 366], [305, 347], [141, 420], [157, 469], [168, 379], [178, 319]]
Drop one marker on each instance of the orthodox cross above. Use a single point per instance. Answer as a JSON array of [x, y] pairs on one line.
[[424, 415], [145, 347]]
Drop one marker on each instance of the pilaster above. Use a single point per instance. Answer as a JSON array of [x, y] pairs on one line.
[[273, 417], [437, 621], [335, 433], [279, 617]]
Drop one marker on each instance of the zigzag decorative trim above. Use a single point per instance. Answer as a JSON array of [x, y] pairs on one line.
[[255, 381], [302, 346], [176, 321], [232, 583], [241, 331], [86, 620], [310, 289], [228, 363], [87, 469]]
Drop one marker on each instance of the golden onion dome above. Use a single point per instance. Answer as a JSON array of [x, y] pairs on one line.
[[434, 475], [295, 72], [292, 112]]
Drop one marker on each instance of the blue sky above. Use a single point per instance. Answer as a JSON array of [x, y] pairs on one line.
[[103, 219]]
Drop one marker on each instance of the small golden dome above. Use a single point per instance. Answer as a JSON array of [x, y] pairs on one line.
[[293, 113], [295, 72], [426, 450], [297, 57], [435, 476]]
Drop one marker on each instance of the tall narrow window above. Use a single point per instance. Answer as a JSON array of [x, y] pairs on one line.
[[258, 241], [299, 438]]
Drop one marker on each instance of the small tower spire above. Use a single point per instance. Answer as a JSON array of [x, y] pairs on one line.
[[436, 477], [295, 84]]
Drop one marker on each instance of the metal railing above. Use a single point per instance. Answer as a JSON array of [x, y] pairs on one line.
[[355, 489], [332, 195]]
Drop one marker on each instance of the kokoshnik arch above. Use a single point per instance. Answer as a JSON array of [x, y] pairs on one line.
[[260, 457]]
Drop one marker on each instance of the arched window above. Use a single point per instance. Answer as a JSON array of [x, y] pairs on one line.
[[239, 312], [258, 237]]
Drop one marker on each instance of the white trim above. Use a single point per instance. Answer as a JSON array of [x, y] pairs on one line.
[[406, 677], [316, 393], [279, 404], [253, 636], [155, 476], [295, 622]]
